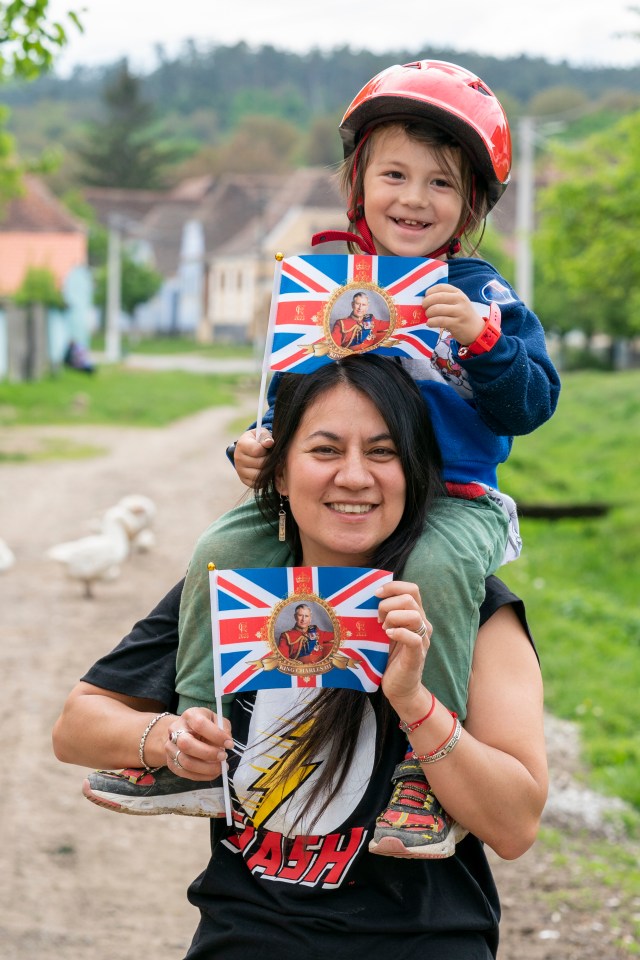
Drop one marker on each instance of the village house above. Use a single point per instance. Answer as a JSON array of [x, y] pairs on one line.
[[36, 230], [213, 239]]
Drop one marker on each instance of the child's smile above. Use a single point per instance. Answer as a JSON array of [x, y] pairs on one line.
[[410, 203]]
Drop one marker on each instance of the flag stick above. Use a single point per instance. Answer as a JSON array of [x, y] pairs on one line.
[[217, 680], [269, 340]]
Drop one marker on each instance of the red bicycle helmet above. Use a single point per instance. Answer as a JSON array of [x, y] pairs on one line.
[[452, 97]]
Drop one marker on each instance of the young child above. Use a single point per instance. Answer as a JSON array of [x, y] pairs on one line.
[[427, 156]]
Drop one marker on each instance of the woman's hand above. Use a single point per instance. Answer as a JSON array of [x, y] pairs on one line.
[[196, 746], [402, 616]]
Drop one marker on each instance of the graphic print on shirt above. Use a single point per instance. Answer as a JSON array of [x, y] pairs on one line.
[[267, 815]]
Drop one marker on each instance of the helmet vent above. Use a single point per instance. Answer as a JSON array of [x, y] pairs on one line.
[[483, 90]]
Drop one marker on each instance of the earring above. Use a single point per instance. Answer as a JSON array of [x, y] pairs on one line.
[[282, 521]]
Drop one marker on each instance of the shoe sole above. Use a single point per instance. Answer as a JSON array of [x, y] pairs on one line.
[[394, 847], [195, 804]]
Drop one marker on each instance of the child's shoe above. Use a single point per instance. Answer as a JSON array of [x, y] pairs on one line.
[[148, 794], [414, 824]]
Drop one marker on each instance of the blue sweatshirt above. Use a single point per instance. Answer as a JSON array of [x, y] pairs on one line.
[[479, 404]]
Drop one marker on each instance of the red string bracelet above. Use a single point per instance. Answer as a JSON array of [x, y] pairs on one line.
[[445, 747], [410, 727]]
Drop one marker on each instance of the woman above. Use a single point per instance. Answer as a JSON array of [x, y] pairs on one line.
[[355, 456]]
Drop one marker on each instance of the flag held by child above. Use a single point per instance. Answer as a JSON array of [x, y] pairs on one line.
[[329, 306], [297, 627]]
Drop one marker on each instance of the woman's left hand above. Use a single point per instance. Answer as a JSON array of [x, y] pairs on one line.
[[402, 616]]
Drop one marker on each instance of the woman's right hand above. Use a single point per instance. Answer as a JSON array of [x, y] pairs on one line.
[[403, 619], [198, 743]]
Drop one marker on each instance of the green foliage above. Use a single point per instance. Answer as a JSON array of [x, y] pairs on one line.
[[10, 172], [39, 286], [587, 275], [29, 38], [492, 248], [139, 283], [113, 395], [577, 576]]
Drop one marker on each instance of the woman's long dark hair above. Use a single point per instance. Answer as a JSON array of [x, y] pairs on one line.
[[338, 714]]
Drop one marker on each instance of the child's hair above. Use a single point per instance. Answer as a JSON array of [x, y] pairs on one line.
[[451, 156]]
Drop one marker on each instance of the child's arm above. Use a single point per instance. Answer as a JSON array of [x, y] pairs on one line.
[[515, 385]]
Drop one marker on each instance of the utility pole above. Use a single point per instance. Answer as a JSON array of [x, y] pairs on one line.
[[524, 211], [114, 288]]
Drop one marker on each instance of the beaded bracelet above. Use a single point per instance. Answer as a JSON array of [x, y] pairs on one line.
[[143, 740], [445, 748], [410, 727]]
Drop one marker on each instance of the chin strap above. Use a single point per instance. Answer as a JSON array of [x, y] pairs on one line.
[[344, 236]]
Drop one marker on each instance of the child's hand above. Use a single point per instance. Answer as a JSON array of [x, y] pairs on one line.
[[250, 455], [447, 306], [403, 619]]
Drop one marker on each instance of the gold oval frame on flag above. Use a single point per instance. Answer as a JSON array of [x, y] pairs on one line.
[[293, 667], [335, 351]]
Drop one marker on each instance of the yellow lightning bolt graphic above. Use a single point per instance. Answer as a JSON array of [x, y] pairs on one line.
[[273, 790]]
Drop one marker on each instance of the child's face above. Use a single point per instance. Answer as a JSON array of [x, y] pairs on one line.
[[410, 203]]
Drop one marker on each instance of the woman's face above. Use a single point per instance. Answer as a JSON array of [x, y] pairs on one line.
[[344, 480]]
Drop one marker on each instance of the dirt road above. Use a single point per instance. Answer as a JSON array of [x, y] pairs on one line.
[[77, 881]]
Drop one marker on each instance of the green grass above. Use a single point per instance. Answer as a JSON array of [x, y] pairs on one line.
[[115, 395], [580, 578]]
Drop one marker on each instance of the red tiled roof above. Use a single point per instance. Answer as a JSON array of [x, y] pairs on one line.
[[37, 210]]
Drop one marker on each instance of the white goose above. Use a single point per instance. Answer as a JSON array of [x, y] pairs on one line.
[[7, 558], [142, 512], [98, 556]]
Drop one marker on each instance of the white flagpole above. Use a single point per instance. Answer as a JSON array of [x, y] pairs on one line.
[[217, 680], [269, 340]]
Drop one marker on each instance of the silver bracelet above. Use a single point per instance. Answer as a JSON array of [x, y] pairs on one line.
[[445, 749], [143, 740]]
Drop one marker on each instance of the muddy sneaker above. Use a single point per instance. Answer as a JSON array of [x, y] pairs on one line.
[[414, 824], [148, 794]]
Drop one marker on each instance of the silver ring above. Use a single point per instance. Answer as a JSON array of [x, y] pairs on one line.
[[174, 736], [422, 630], [176, 761]]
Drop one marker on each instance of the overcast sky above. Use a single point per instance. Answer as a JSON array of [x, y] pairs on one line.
[[580, 31]]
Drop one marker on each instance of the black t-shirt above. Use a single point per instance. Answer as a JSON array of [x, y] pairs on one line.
[[275, 889]]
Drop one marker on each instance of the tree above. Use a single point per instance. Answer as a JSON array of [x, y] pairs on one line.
[[29, 40], [125, 149], [588, 276]]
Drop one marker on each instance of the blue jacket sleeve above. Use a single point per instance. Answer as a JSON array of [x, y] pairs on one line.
[[515, 385]]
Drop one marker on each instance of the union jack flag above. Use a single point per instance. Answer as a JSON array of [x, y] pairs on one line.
[[297, 627], [314, 299]]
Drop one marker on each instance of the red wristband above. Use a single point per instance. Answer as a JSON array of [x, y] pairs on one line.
[[486, 339]]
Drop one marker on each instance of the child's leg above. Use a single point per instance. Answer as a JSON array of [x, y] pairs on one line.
[[463, 543], [240, 538]]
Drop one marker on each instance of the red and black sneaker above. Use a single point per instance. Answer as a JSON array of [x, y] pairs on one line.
[[147, 794], [414, 825]]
